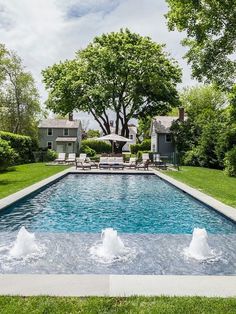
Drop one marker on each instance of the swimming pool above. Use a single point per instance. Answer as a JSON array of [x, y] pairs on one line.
[[154, 220]]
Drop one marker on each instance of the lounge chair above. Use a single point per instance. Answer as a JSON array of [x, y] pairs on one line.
[[104, 163], [61, 158], [144, 163], [89, 164], [117, 163], [132, 162], [82, 156], [71, 158]]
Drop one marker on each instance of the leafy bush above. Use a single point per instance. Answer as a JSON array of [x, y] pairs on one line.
[[99, 146], [230, 162], [145, 145], [23, 145], [51, 155], [7, 155], [191, 158], [87, 150]]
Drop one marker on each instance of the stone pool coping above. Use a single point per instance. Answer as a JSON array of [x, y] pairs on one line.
[[118, 285]]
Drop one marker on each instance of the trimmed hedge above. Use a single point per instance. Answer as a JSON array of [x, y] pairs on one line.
[[23, 146], [98, 146], [145, 145], [7, 155]]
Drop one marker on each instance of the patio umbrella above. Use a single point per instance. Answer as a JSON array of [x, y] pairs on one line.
[[113, 138]]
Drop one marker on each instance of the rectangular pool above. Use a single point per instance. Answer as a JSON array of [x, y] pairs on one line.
[[154, 221]]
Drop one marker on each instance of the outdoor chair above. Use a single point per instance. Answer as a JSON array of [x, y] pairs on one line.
[[117, 163], [71, 158], [61, 158], [131, 163], [142, 164], [104, 163]]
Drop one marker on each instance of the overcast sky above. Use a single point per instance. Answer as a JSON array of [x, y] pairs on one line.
[[43, 32]]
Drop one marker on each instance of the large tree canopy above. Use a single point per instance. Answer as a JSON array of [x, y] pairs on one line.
[[123, 73], [211, 37], [19, 99]]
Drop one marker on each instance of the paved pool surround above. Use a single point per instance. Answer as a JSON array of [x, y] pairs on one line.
[[119, 285]]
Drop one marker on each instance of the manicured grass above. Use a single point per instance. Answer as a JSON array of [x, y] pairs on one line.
[[210, 181], [19, 177], [160, 305]]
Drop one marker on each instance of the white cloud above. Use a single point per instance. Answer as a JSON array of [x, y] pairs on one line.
[[46, 31]]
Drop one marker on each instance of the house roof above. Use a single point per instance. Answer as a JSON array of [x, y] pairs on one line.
[[66, 139], [59, 123], [162, 124]]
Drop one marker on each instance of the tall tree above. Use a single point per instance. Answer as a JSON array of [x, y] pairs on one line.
[[211, 37], [19, 99], [123, 73]]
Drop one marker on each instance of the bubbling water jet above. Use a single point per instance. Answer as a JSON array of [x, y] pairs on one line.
[[199, 248], [112, 247], [24, 245]]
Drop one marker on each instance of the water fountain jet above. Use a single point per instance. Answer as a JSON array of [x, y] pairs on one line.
[[24, 245], [199, 248]]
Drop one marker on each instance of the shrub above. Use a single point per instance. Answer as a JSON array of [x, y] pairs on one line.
[[230, 162], [144, 146], [98, 146], [23, 145], [7, 155], [87, 150], [51, 155], [191, 158]]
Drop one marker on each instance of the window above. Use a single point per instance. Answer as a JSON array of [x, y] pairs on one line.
[[49, 145], [50, 131], [131, 136], [66, 132], [168, 138]]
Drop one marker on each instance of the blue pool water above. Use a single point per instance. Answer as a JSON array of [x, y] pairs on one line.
[[128, 203]]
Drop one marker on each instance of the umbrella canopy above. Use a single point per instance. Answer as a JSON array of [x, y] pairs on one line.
[[114, 137]]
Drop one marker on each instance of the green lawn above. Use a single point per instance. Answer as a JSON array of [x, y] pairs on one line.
[[140, 305], [19, 177], [210, 181]]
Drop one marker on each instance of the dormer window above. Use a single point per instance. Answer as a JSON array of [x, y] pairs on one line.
[[49, 131], [66, 132]]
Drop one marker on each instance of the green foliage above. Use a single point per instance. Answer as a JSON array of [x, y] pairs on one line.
[[99, 146], [123, 72], [211, 35], [87, 150], [144, 126], [144, 146], [23, 145], [7, 155], [51, 155], [93, 133], [230, 162], [19, 99], [197, 138]]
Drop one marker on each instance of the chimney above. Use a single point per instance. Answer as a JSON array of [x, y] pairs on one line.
[[181, 114], [71, 116]]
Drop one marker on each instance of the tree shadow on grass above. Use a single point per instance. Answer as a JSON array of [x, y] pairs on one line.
[[11, 169]]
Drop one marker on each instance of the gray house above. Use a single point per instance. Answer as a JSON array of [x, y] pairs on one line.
[[63, 136], [161, 137]]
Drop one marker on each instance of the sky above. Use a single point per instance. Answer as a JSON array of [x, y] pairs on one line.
[[44, 32]]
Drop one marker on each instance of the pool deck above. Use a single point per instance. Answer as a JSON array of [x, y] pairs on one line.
[[118, 285]]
